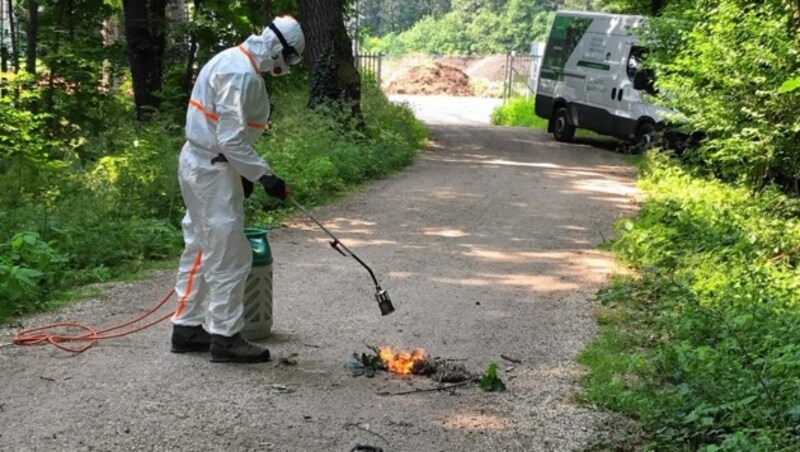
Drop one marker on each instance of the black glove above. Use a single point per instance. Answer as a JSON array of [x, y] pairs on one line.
[[247, 186], [275, 186]]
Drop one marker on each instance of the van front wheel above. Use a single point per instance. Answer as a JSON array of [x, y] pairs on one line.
[[645, 136], [562, 129]]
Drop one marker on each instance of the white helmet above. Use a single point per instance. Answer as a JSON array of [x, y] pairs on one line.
[[293, 43]]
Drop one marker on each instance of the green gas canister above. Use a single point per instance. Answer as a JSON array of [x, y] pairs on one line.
[[258, 288]]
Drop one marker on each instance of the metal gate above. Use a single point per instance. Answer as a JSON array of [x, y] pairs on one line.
[[522, 72], [369, 66]]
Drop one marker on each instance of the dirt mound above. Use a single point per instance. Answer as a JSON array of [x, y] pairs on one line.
[[431, 78], [490, 68], [460, 62]]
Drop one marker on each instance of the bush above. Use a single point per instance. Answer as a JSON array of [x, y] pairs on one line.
[[320, 157], [30, 269], [722, 63], [709, 328], [72, 221]]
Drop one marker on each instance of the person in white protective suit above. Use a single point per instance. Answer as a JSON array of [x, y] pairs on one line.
[[218, 165]]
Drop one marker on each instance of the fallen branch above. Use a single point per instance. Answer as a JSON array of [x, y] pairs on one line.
[[367, 430], [509, 359], [436, 389], [786, 254]]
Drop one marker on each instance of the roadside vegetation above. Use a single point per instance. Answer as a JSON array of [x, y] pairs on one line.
[[110, 203], [701, 344], [700, 341], [88, 171], [518, 112]]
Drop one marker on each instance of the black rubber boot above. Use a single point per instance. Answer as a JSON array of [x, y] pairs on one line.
[[190, 339], [236, 349]]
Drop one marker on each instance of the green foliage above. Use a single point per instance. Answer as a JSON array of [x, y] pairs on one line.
[[30, 269], [701, 345], [789, 85], [490, 382], [365, 364], [102, 216], [639, 7], [518, 112], [25, 155], [319, 156], [722, 63], [471, 27], [382, 17]]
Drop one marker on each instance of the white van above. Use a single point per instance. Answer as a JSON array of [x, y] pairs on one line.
[[591, 78]]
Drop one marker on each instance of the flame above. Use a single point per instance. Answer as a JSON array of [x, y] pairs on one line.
[[402, 362]]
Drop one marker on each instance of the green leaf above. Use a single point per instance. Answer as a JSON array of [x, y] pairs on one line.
[[789, 85], [490, 382], [742, 320]]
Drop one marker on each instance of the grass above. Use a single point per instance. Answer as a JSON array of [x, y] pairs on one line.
[[519, 112]]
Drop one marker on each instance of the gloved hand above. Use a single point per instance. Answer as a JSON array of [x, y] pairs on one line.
[[275, 186], [247, 186]]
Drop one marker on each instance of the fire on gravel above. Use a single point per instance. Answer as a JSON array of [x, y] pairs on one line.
[[402, 363], [408, 363]]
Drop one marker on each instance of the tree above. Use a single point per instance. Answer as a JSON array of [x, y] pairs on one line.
[[386, 16], [145, 32], [32, 31], [332, 73], [652, 7], [656, 6]]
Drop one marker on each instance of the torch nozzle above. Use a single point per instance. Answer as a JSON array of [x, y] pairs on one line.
[[384, 302]]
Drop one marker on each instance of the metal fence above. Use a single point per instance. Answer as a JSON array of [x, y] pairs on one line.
[[522, 72], [369, 66]]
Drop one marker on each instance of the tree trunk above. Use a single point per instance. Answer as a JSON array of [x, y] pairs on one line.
[[656, 6], [32, 34], [14, 29], [110, 33], [64, 7], [188, 75], [3, 48], [145, 33], [328, 54]]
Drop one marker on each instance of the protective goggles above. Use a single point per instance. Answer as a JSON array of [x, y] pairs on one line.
[[289, 53]]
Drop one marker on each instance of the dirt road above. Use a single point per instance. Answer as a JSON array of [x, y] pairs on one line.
[[487, 245]]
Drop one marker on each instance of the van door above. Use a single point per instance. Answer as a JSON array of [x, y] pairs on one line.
[[560, 77], [627, 97], [602, 62]]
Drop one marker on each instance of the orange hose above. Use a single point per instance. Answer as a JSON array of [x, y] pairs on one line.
[[36, 336]]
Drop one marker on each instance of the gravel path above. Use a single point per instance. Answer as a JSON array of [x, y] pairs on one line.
[[487, 245]]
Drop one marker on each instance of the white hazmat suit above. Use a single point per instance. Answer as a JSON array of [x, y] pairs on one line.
[[227, 113]]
